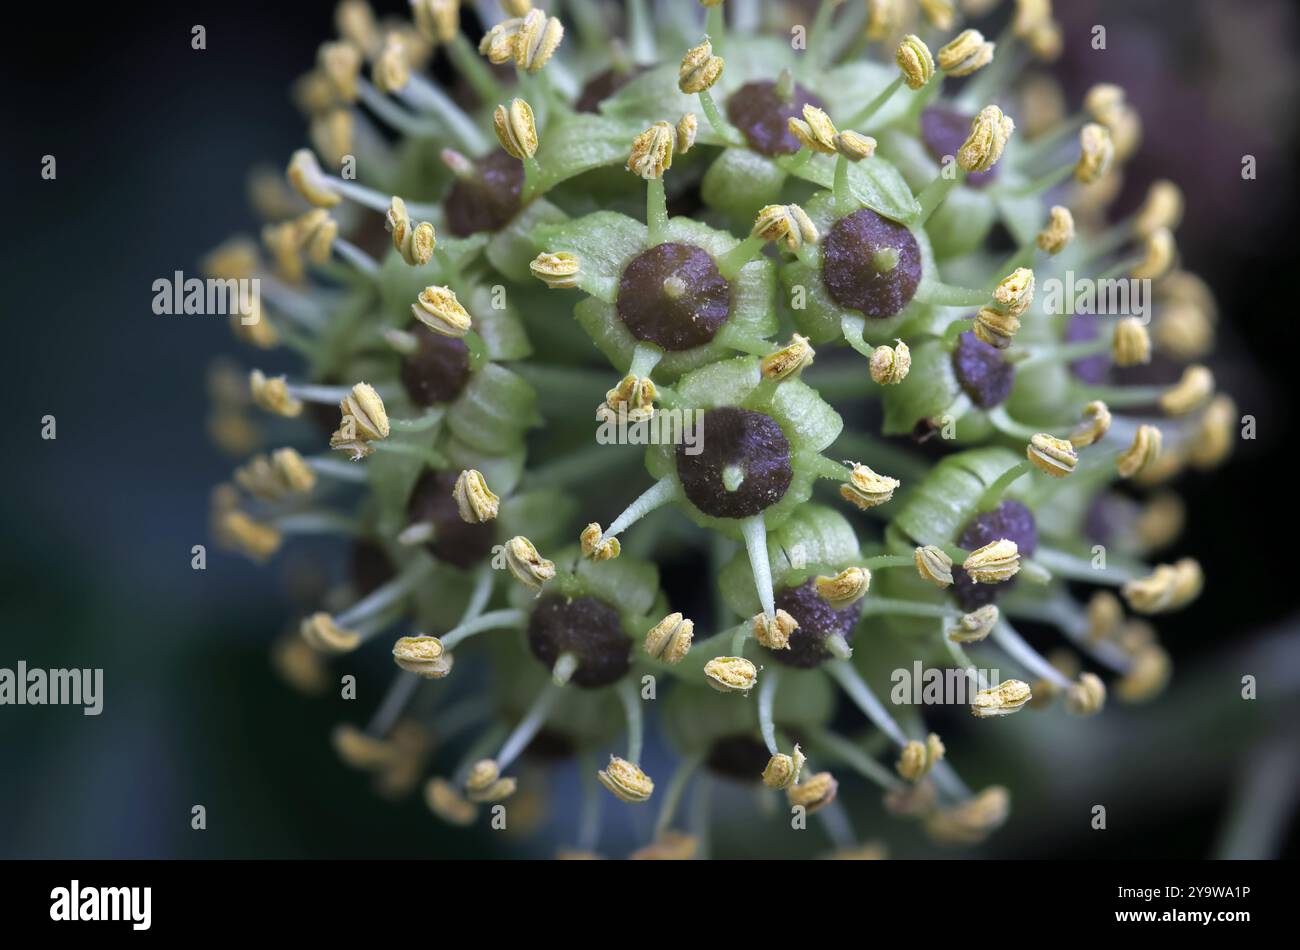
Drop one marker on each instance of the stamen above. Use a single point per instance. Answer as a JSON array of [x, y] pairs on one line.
[[914, 61], [994, 563], [423, 655], [626, 781], [670, 639], [889, 366], [656, 496], [965, 54], [731, 674], [1006, 698], [526, 565]]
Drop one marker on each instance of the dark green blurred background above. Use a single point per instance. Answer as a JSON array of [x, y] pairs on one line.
[[153, 141]]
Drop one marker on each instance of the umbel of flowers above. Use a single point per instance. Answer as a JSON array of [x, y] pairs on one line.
[[617, 218]]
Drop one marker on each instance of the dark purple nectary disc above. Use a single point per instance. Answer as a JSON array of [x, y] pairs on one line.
[[871, 264], [1011, 520], [740, 757], [982, 371], [944, 131], [762, 116], [751, 442], [454, 541], [486, 203], [585, 627], [603, 85], [1084, 328], [673, 295], [438, 370], [817, 621]]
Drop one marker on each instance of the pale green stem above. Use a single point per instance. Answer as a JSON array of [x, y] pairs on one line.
[[715, 26], [726, 131], [335, 468], [1003, 422], [739, 637], [1081, 569], [933, 195], [1027, 656], [565, 666], [635, 721], [641, 38], [656, 212], [1041, 184], [860, 693], [532, 177], [645, 357], [852, 328], [766, 702], [529, 726], [676, 786], [470, 64], [863, 115], [479, 750], [388, 594], [840, 186], [730, 263], [821, 26], [948, 295], [906, 608], [314, 522], [889, 560], [356, 257], [589, 810], [1123, 396], [992, 496], [656, 496], [850, 754], [422, 94], [399, 694], [754, 530], [393, 115], [492, 620]]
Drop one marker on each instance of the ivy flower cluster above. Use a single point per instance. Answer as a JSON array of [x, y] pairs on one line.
[[617, 213]]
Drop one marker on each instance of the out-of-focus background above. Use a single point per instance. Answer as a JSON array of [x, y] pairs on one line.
[[154, 141]]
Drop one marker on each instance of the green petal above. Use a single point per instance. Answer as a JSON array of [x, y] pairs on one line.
[[874, 183], [929, 389], [739, 183], [808, 421], [580, 142], [815, 539], [501, 331], [604, 242], [494, 409], [511, 249], [935, 511]]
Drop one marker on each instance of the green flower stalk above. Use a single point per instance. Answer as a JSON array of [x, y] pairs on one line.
[[715, 247]]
